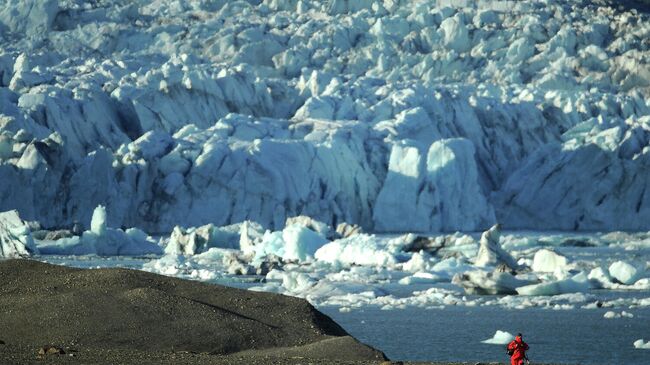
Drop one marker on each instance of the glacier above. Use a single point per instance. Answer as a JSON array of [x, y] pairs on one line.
[[396, 116], [389, 155]]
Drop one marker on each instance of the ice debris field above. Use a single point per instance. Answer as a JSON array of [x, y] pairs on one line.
[[347, 152]]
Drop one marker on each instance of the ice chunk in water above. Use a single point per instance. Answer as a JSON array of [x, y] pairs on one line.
[[612, 314], [15, 237], [490, 251], [98, 222], [500, 338], [576, 284], [359, 249], [640, 344], [624, 272], [294, 242], [602, 277], [312, 224], [301, 243], [548, 261]]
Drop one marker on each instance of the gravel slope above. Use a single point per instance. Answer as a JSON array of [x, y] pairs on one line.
[[128, 316]]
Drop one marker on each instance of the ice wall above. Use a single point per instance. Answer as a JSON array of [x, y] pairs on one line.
[[435, 192], [395, 115]]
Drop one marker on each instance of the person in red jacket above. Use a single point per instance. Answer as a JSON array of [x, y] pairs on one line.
[[518, 348]]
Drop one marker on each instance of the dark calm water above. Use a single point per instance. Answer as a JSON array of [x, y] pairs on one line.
[[578, 336]]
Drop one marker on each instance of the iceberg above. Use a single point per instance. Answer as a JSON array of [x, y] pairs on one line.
[[15, 236], [419, 262], [548, 261], [500, 338], [624, 272], [360, 249], [293, 243], [601, 278], [490, 252], [642, 345], [612, 314], [321, 228]]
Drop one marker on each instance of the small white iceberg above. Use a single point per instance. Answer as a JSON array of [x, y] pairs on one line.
[[501, 338], [640, 344], [624, 272], [623, 314], [15, 237], [548, 261]]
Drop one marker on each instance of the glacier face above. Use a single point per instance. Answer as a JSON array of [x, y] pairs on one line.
[[413, 115]]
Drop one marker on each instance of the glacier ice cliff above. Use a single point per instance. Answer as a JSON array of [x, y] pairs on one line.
[[416, 115]]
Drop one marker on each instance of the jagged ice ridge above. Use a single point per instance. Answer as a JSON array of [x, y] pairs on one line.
[[395, 115]]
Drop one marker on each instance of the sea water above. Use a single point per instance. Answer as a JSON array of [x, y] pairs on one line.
[[578, 336]]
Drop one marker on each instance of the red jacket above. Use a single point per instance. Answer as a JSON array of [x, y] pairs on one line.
[[519, 348]]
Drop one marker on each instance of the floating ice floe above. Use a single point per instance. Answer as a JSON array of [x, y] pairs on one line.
[[575, 284], [334, 273], [640, 344], [500, 338], [612, 314], [15, 236]]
